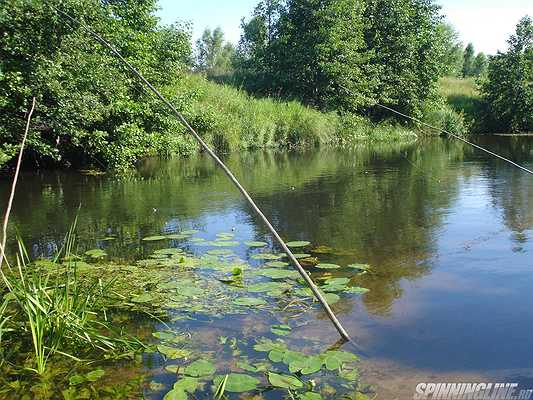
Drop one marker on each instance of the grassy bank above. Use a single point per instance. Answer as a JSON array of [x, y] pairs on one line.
[[232, 120], [463, 97]]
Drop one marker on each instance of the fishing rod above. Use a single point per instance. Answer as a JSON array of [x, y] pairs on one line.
[[316, 292], [453, 135]]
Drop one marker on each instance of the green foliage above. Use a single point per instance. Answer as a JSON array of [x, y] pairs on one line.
[[409, 47], [468, 60], [90, 111], [380, 50], [480, 65], [454, 54], [213, 55], [56, 312], [508, 91]]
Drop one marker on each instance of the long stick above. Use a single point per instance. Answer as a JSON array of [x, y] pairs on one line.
[[227, 171], [13, 188]]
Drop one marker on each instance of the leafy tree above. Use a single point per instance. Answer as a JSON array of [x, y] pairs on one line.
[[89, 108], [454, 54], [480, 64], [468, 64], [322, 51], [214, 56], [508, 90], [407, 40]]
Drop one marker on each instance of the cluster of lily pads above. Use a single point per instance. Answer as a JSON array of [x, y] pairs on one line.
[[184, 278]]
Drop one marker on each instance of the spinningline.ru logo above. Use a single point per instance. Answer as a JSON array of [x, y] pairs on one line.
[[471, 391]]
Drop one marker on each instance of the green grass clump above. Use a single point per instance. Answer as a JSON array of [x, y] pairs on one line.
[[463, 96], [230, 119]]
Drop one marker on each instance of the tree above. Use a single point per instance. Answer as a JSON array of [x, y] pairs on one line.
[[214, 56], [468, 64], [480, 64], [508, 90], [454, 54], [89, 108], [321, 51], [407, 41]]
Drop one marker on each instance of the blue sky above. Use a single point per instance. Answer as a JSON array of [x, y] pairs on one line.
[[486, 23]]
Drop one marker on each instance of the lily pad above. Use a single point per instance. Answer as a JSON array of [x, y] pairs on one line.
[[96, 253], [279, 273], [200, 368], [238, 383], [331, 298], [221, 252], [300, 256], [177, 236], [299, 243], [249, 301], [265, 287], [284, 381], [153, 238], [190, 232], [266, 256], [281, 330], [357, 290], [310, 396], [361, 267], [224, 243], [307, 366], [277, 264], [256, 244], [328, 266], [173, 353], [169, 252]]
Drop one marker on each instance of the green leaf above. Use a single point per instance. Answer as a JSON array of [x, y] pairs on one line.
[[172, 353], [361, 267], [357, 290], [153, 238], [96, 253], [187, 384], [275, 356], [284, 381], [265, 287], [331, 298], [76, 380], [328, 266], [301, 243], [93, 376], [176, 394], [277, 264], [307, 366], [238, 383], [266, 256], [256, 244], [310, 396], [275, 273], [281, 330], [249, 301], [200, 368]]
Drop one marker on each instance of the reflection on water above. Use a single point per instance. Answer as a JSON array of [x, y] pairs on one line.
[[447, 229]]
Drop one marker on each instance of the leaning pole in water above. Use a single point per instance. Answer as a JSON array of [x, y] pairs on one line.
[[344, 334]]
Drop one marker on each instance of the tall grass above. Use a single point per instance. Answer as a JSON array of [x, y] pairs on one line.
[[57, 311], [463, 97], [233, 120]]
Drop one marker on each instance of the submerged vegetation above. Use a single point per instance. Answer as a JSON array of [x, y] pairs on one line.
[[58, 317]]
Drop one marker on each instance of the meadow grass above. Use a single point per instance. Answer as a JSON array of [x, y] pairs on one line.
[[463, 96], [231, 119]]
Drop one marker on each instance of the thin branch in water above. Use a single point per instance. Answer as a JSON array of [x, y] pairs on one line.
[[13, 188]]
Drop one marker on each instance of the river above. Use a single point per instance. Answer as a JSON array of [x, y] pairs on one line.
[[446, 229]]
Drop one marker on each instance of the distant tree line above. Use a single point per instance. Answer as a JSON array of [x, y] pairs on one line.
[[346, 55]]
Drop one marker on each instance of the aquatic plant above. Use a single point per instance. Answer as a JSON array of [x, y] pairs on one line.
[[57, 310]]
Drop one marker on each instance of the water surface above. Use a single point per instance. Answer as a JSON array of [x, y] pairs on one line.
[[446, 229]]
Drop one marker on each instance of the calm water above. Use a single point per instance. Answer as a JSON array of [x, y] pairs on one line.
[[447, 230]]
